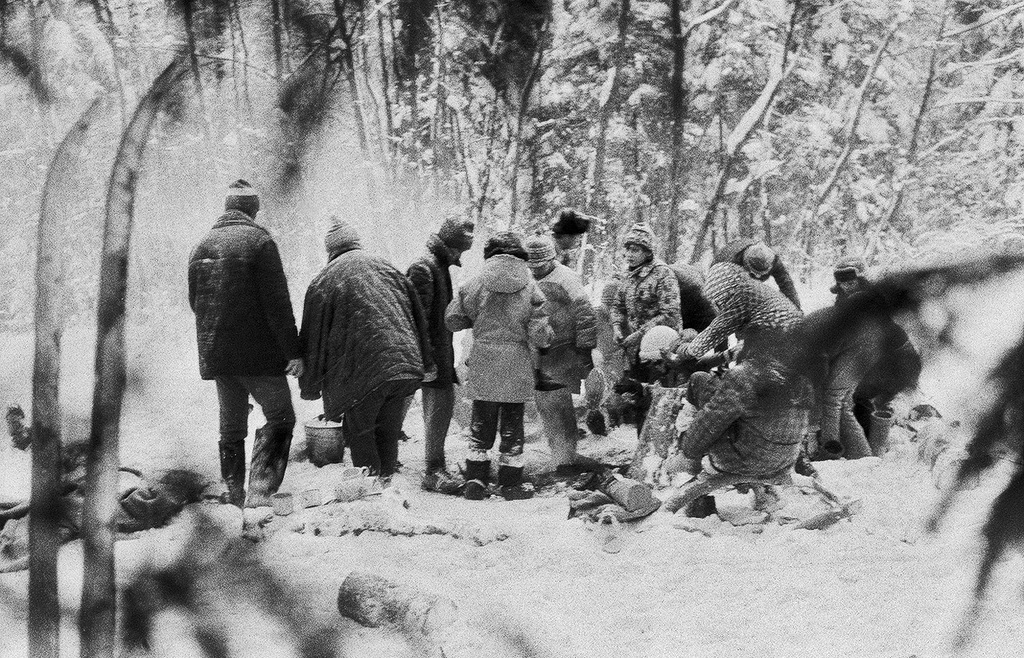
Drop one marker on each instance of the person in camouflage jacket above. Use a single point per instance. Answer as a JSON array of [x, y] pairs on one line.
[[746, 307], [648, 297]]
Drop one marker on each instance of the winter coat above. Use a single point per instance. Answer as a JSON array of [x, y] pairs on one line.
[[505, 308], [648, 297], [733, 253], [362, 325], [898, 368], [851, 357], [573, 325], [746, 307], [754, 422], [429, 275], [695, 311], [238, 291]]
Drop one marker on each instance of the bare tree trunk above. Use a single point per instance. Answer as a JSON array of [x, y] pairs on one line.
[[595, 201], [524, 102], [43, 537], [386, 84], [679, 41], [357, 104], [275, 9], [97, 615]]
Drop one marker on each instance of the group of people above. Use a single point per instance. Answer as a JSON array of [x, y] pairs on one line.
[[371, 336]]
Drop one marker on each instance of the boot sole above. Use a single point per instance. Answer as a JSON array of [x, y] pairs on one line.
[[475, 490]]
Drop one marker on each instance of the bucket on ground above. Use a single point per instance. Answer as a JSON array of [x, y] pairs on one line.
[[325, 442]]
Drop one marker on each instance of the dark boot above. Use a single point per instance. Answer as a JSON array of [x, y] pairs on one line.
[[232, 471], [269, 461], [511, 485], [477, 474]]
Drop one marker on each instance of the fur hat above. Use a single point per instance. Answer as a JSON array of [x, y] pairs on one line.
[[457, 232], [242, 197], [640, 235], [759, 259], [540, 248], [508, 242], [342, 236], [570, 222]]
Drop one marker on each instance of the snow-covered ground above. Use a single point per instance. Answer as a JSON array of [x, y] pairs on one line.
[[873, 586]]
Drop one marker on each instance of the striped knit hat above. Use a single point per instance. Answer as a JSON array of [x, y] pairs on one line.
[[540, 249]]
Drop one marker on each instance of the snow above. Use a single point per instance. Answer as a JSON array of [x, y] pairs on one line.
[[877, 585]]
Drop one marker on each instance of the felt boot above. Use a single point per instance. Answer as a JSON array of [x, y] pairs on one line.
[[477, 473], [511, 485], [269, 461]]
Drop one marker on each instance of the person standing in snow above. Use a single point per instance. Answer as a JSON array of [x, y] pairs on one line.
[[247, 342], [505, 309], [761, 262], [366, 343], [568, 359], [433, 284], [648, 297]]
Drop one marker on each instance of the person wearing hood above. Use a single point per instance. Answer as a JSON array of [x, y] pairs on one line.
[[433, 282], [761, 262], [247, 342], [648, 297], [568, 359], [366, 343], [505, 308]]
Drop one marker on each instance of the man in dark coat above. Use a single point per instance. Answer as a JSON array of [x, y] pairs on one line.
[[365, 338], [247, 342], [433, 283], [760, 262]]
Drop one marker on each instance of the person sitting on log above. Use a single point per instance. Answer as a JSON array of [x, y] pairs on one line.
[[761, 262], [752, 421]]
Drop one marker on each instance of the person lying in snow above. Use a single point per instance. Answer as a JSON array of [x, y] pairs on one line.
[[752, 421]]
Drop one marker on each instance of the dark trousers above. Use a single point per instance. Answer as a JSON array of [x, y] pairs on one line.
[[373, 426], [438, 404], [504, 418], [270, 392]]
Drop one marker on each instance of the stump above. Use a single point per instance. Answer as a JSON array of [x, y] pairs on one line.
[[658, 452]]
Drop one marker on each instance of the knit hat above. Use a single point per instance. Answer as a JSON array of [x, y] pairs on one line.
[[640, 235], [540, 249], [570, 222], [457, 232], [759, 259], [655, 340], [508, 242], [242, 197], [342, 236], [848, 268]]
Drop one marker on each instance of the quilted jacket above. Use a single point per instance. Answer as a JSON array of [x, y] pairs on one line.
[[362, 325], [648, 296], [429, 275], [238, 291]]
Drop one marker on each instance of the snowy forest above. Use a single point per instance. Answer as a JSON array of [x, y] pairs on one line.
[[823, 128]]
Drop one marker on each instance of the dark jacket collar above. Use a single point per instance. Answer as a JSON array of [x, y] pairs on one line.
[[237, 218], [441, 252]]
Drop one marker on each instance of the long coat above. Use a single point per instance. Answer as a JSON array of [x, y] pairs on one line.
[[433, 283], [573, 325], [752, 422], [238, 291], [505, 308], [362, 325]]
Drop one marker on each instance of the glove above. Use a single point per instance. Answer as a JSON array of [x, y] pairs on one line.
[[632, 341], [430, 375]]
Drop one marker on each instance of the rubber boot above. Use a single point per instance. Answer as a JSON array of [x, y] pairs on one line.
[[269, 461], [232, 471], [511, 485], [477, 475]]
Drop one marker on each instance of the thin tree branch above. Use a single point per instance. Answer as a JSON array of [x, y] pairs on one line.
[[985, 20]]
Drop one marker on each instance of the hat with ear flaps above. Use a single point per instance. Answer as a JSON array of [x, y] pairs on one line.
[[849, 268], [759, 259], [506, 243]]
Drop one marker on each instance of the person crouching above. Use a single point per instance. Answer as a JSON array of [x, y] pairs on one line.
[[505, 308]]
